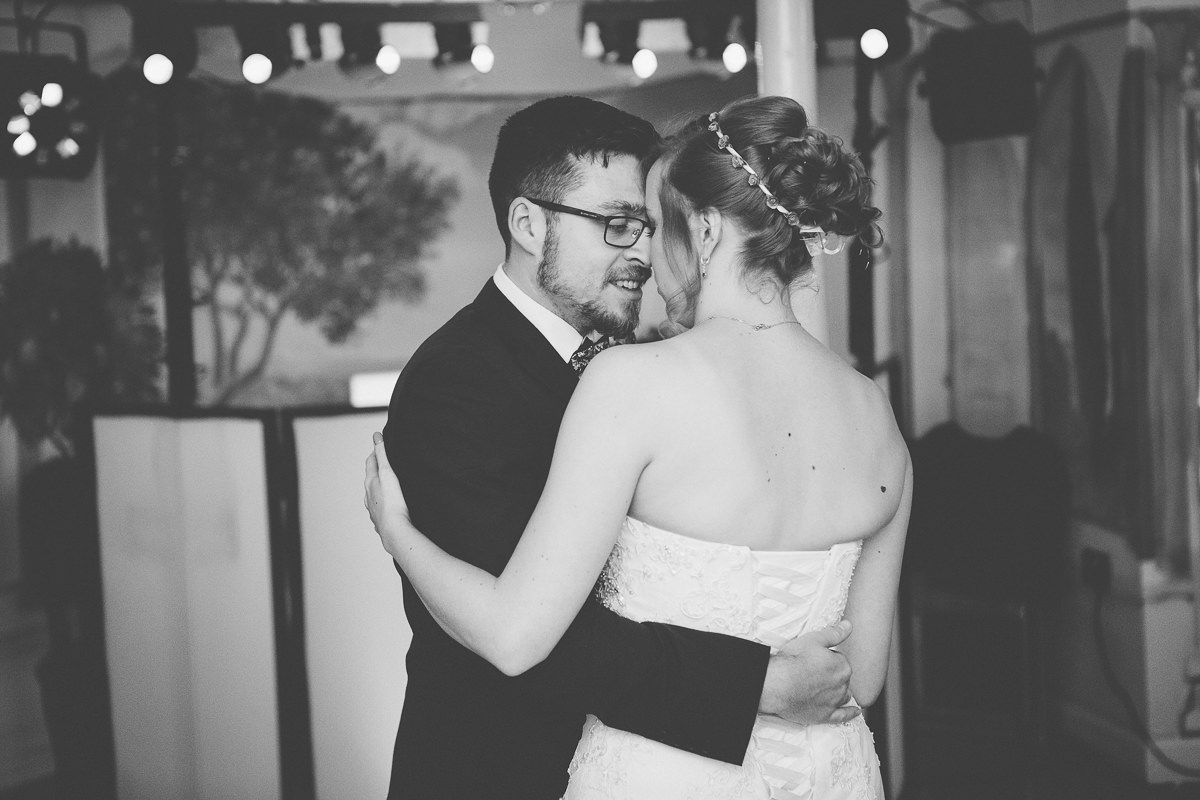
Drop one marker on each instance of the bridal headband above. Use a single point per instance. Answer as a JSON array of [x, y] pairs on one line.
[[740, 163], [815, 238]]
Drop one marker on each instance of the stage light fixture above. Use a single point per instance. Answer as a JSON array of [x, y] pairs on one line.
[[981, 82], [266, 50], [619, 38], [51, 107], [891, 38], [362, 47], [312, 39], [708, 34], [165, 44], [454, 43]]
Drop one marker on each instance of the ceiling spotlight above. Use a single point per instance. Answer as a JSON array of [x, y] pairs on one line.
[[454, 43], [362, 46], [880, 27], [708, 34], [52, 112], [734, 57], [266, 51], [619, 38], [165, 44], [874, 43], [482, 58], [645, 63]]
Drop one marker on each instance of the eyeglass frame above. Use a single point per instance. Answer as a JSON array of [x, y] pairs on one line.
[[816, 240], [607, 220]]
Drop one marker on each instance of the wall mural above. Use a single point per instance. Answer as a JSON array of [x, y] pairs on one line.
[[292, 208]]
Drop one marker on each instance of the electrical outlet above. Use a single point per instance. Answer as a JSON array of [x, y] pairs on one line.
[[1096, 569]]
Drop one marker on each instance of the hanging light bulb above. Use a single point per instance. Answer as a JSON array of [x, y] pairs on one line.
[[165, 43], [257, 68], [388, 60], [874, 43], [734, 57], [158, 69], [645, 63], [266, 50], [482, 58]]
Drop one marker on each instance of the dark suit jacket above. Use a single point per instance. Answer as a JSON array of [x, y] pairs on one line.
[[470, 433]]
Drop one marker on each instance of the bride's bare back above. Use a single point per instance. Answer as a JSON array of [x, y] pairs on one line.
[[765, 439]]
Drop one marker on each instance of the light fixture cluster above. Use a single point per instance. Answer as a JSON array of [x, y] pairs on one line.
[[716, 31], [166, 46], [50, 106], [879, 27], [274, 39]]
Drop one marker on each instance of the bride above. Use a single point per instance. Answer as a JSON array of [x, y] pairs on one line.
[[732, 478]]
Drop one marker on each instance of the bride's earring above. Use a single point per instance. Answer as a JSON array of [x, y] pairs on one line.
[[703, 267]]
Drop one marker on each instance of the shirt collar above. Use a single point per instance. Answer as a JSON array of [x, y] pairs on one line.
[[558, 332]]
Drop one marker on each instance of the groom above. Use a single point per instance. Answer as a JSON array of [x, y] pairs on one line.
[[471, 432]]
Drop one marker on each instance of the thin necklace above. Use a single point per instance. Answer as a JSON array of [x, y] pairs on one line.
[[760, 326]]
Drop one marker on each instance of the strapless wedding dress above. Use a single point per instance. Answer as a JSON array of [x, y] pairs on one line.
[[767, 596]]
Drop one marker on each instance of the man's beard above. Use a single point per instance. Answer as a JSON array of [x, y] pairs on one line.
[[588, 313]]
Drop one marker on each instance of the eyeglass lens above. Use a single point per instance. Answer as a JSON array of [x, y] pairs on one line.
[[623, 231]]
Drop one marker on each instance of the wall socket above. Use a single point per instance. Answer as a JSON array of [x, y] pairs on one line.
[[1096, 569]]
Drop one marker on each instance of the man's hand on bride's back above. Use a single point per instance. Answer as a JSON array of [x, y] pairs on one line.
[[808, 681]]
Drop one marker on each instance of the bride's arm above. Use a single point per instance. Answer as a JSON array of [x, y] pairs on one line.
[[871, 607], [515, 620]]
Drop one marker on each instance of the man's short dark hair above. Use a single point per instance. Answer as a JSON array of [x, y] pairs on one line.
[[540, 146]]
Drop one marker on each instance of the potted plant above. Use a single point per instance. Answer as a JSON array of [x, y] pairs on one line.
[[72, 337]]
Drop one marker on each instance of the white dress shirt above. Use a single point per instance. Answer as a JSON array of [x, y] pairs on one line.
[[558, 332]]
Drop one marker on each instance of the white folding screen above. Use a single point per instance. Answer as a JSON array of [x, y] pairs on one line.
[[189, 620], [355, 632]]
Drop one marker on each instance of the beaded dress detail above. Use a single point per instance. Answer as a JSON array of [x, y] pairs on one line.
[[766, 596]]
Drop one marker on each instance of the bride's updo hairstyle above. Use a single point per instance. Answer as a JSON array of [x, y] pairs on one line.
[[814, 179]]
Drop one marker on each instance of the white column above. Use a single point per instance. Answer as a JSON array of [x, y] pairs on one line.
[[787, 66]]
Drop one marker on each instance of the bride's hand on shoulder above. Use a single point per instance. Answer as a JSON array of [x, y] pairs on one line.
[[385, 500]]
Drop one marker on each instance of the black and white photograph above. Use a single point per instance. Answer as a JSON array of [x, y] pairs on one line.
[[600, 399]]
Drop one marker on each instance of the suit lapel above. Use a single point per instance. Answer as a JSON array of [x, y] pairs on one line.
[[524, 341]]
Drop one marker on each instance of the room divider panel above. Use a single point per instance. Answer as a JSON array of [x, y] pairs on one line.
[[255, 630], [189, 612]]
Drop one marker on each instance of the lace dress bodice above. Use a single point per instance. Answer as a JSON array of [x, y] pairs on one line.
[[766, 596]]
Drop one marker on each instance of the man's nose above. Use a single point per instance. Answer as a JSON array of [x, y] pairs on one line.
[[640, 250]]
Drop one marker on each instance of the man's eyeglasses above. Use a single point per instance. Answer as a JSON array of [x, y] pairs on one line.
[[819, 241], [620, 230]]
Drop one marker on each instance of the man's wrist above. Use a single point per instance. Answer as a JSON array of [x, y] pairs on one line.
[[771, 700]]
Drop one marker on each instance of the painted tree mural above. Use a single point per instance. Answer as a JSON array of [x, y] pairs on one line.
[[292, 209]]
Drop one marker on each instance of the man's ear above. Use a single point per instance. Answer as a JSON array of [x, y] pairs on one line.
[[527, 226]]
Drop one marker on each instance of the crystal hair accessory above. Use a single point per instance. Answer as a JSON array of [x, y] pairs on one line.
[[753, 179], [816, 239]]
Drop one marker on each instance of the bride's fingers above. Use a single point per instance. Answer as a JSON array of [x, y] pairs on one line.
[[381, 454], [844, 714]]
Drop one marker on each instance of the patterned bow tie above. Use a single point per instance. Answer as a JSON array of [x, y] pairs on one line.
[[587, 350]]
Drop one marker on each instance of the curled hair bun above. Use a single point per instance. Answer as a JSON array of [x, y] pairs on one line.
[[814, 175], [762, 165]]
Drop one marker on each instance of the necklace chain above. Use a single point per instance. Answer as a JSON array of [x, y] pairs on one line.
[[759, 326]]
